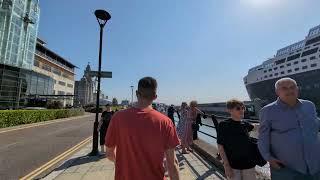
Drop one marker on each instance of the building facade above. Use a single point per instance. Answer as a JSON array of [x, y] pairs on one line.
[[84, 89], [59, 69], [19, 21]]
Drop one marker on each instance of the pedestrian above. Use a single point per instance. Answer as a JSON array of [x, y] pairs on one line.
[[103, 125], [183, 127], [289, 135], [171, 112], [196, 126], [140, 137], [234, 145]]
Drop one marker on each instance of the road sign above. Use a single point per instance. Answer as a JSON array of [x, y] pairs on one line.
[[104, 74]]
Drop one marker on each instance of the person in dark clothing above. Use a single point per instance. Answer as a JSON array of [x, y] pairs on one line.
[[171, 111], [103, 125], [196, 126], [234, 144]]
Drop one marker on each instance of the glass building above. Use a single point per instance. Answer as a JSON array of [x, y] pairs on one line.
[[19, 86], [19, 21]]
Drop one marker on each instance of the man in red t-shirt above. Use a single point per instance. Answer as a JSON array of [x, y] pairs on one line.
[[138, 138]]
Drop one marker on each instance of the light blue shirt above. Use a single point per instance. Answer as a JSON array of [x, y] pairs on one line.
[[291, 134]]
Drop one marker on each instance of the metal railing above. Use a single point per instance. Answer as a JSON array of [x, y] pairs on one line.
[[215, 121]]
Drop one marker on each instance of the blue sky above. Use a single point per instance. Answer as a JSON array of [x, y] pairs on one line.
[[196, 49]]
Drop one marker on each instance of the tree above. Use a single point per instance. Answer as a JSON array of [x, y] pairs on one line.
[[114, 102]]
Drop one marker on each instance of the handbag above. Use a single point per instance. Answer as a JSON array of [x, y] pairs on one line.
[[256, 155]]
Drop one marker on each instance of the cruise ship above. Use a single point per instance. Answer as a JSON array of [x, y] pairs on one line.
[[300, 61]]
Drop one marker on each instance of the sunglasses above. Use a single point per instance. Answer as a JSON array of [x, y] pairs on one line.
[[238, 108]]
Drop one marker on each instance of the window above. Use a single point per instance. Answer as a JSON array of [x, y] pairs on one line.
[[282, 72], [36, 63], [69, 93], [289, 71], [70, 85], [311, 51], [54, 81], [62, 83], [56, 71], [270, 70], [296, 69], [316, 85], [313, 40], [275, 68], [276, 74], [316, 44], [60, 92], [313, 65], [308, 47], [289, 64], [312, 57], [265, 71], [282, 66], [280, 61], [46, 67], [290, 58], [303, 60], [270, 75], [65, 75], [305, 67], [296, 62], [265, 76]]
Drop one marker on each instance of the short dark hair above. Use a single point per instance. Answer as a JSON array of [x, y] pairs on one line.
[[107, 105], [232, 103], [147, 87]]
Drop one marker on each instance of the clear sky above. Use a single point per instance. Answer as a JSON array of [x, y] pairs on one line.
[[196, 49]]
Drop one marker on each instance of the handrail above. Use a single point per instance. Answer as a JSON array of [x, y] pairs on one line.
[[214, 119]]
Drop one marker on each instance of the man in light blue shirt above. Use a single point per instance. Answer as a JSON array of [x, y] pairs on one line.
[[289, 135]]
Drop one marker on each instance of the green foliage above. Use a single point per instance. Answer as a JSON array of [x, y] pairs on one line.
[[17, 117]]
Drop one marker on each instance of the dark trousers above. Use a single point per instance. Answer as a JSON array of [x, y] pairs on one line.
[[103, 133]]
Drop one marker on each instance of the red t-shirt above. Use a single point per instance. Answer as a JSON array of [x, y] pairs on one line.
[[141, 137]]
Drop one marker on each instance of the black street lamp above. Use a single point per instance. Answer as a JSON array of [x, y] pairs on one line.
[[102, 18]]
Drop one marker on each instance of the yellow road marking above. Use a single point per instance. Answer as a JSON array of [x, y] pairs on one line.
[[40, 124], [55, 160]]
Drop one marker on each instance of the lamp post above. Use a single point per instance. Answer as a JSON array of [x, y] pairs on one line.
[[102, 18], [131, 95]]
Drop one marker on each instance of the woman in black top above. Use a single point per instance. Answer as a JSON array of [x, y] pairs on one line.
[[103, 125], [234, 144]]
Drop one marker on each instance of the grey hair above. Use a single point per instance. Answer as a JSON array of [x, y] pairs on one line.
[[277, 84]]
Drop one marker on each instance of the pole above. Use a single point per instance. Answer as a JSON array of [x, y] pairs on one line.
[[131, 95], [95, 151]]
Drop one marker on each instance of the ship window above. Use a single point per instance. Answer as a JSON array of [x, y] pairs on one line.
[[270, 70], [313, 40], [316, 44], [289, 64], [265, 71], [313, 65], [280, 61], [276, 74], [289, 71], [290, 58], [307, 47], [282, 72], [311, 51], [296, 69], [312, 57], [275, 68], [265, 76], [282, 66], [296, 62], [270, 75], [303, 60], [305, 67]]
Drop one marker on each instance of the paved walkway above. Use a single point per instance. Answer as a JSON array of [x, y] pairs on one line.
[[82, 167]]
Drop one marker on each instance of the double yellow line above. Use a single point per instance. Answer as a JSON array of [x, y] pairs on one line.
[[56, 160]]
